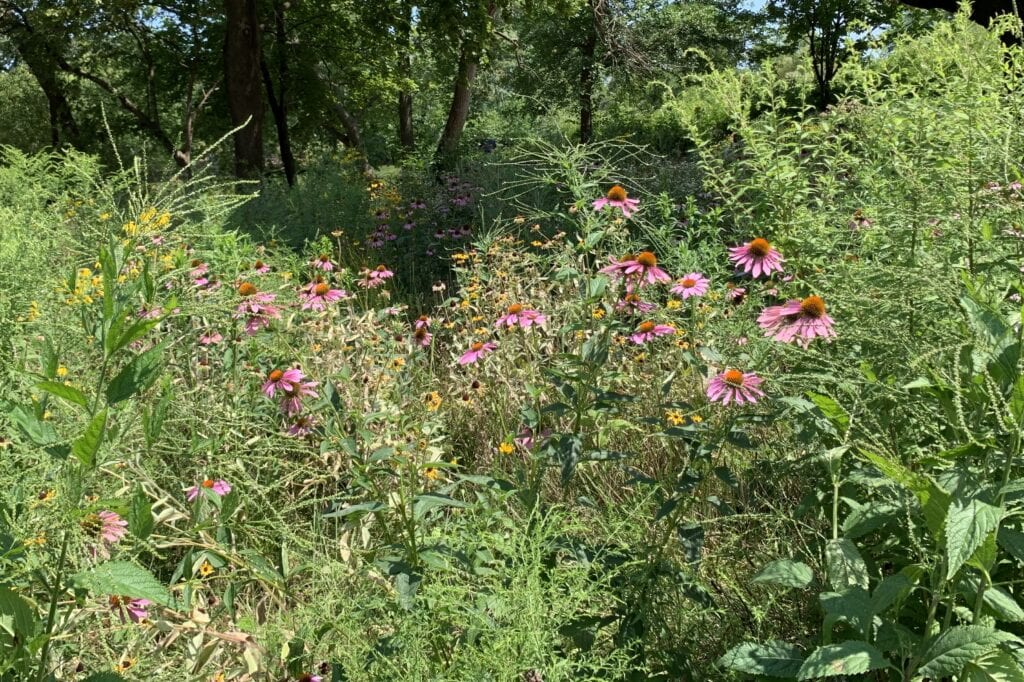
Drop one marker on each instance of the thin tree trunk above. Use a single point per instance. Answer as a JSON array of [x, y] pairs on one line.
[[244, 81], [278, 104], [587, 52], [458, 112], [405, 132], [43, 67]]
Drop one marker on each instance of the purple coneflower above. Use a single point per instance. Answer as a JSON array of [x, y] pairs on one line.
[[476, 351], [524, 317], [797, 320], [210, 338], [694, 284], [218, 487], [111, 527], [291, 400], [302, 426], [256, 308], [322, 262], [756, 257], [260, 268], [317, 294], [375, 278], [618, 198], [282, 380], [649, 330], [631, 303], [734, 386], [640, 269], [135, 608]]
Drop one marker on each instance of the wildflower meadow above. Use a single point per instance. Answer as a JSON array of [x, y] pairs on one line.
[[727, 387]]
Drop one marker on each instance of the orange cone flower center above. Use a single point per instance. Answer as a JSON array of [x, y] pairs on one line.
[[324, 258], [208, 483], [321, 289], [246, 289], [733, 377], [257, 265], [647, 259], [689, 283], [645, 327], [632, 298], [515, 309], [759, 247], [423, 318], [381, 268], [617, 193], [420, 333], [812, 306], [276, 375], [196, 263], [476, 346]]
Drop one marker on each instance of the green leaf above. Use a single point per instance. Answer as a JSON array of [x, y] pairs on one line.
[[933, 499], [134, 333], [362, 508], [832, 410], [39, 432], [122, 578], [892, 589], [1017, 400], [1012, 541], [428, 501], [773, 658], [17, 616], [785, 572], [998, 602], [950, 651], [65, 392], [140, 514], [845, 566], [846, 658], [105, 677], [852, 606], [997, 666], [967, 526], [88, 444], [136, 376]]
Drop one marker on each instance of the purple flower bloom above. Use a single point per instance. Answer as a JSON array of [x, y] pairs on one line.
[[649, 330], [210, 338], [797, 320], [375, 278], [322, 262], [524, 317], [639, 270], [756, 257], [694, 284], [302, 426], [617, 197], [734, 386], [219, 487], [317, 294], [632, 304], [476, 351], [136, 608]]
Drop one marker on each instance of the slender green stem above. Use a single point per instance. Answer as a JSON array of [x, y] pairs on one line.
[[55, 590]]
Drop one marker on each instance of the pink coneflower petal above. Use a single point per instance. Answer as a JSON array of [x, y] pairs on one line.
[[757, 257], [797, 320], [693, 284], [617, 197], [219, 487], [734, 386], [516, 314], [476, 351], [649, 330]]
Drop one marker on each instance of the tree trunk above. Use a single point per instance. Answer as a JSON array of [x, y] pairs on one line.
[[244, 83], [278, 104], [587, 52], [458, 112], [405, 132], [43, 67]]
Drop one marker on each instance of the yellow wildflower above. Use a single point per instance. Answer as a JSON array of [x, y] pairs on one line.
[[506, 448], [433, 401]]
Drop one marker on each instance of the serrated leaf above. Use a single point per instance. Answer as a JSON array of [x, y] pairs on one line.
[[933, 499], [18, 616], [1012, 541], [845, 566], [997, 601], [852, 606], [832, 410], [134, 333], [88, 444], [785, 572], [846, 658], [64, 392], [967, 526], [136, 376], [123, 578], [893, 588], [950, 651], [428, 501], [140, 514], [774, 659], [998, 666]]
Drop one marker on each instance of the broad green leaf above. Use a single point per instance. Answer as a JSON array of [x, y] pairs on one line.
[[88, 444], [427, 501], [950, 651], [852, 606], [774, 659], [136, 376], [845, 658], [65, 392], [933, 499], [967, 526], [134, 333], [997, 601], [362, 508], [997, 666], [1012, 541], [845, 566], [17, 616], [832, 410], [892, 589], [140, 514], [122, 578], [39, 432], [785, 572]]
